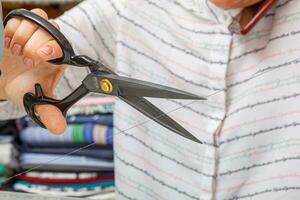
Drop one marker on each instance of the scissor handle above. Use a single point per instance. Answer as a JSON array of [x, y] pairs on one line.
[[266, 6], [65, 45], [31, 100]]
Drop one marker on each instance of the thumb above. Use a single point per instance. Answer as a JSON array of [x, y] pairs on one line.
[[49, 51], [52, 118]]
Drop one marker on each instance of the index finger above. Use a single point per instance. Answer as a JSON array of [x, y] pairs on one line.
[[9, 30]]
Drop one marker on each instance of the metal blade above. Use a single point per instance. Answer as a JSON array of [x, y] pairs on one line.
[[132, 87], [137, 87], [123, 85], [151, 111]]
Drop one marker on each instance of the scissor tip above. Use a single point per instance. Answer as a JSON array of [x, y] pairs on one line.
[[196, 140], [196, 97], [193, 138]]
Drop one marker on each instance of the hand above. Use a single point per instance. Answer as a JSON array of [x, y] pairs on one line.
[[227, 4], [27, 48]]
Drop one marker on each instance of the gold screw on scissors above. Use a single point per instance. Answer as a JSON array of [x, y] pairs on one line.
[[106, 86]]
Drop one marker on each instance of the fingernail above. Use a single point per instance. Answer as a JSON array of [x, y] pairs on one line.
[[47, 50], [28, 62], [16, 49], [7, 41]]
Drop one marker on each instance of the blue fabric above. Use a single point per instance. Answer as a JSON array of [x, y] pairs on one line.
[[96, 119], [73, 186], [92, 152], [109, 136], [106, 119], [39, 137], [88, 133], [70, 162]]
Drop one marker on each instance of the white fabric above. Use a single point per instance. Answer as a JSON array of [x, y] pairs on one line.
[[250, 121]]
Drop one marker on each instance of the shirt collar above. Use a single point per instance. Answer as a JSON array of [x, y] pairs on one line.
[[206, 9]]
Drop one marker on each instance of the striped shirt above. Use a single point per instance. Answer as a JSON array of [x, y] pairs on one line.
[[250, 122]]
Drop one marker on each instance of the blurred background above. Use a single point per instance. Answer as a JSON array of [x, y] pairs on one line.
[[54, 8], [88, 173]]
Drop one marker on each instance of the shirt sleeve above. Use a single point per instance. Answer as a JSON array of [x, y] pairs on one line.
[[91, 29]]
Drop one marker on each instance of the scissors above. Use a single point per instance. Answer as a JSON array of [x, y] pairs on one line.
[[101, 80], [260, 9]]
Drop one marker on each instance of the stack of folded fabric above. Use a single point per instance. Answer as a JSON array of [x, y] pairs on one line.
[[8, 150], [78, 163]]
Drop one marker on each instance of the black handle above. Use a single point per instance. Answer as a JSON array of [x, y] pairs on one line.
[[65, 45], [30, 100]]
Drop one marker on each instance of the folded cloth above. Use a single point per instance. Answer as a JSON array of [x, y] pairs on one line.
[[73, 186], [65, 181], [2, 179], [68, 175], [8, 127], [55, 162], [106, 119], [6, 138], [96, 100], [8, 154], [3, 169], [91, 110], [94, 119], [75, 135], [102, 153], [6, 150], [64, 190]]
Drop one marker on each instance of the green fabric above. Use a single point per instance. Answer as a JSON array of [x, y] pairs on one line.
[[2, 169], [78, 133], [73, 186]]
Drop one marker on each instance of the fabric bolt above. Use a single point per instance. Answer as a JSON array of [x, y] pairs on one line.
[[95, 119], [103, 119], [6, 138], [64, 163], [76, 134], [91, 110], [65, 181], [8, 127], [3, 169], [8, 154], [87, 186], [67, 175], [1, 180], [249, 123], [102, 153], [73, 191], [99, 100]]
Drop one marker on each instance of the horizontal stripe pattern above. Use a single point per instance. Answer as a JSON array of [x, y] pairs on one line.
[[186, 45], [248, 124]]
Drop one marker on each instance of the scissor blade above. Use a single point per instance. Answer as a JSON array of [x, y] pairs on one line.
[[151, 111], [127, 86], [137, 87], [130, 86]]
